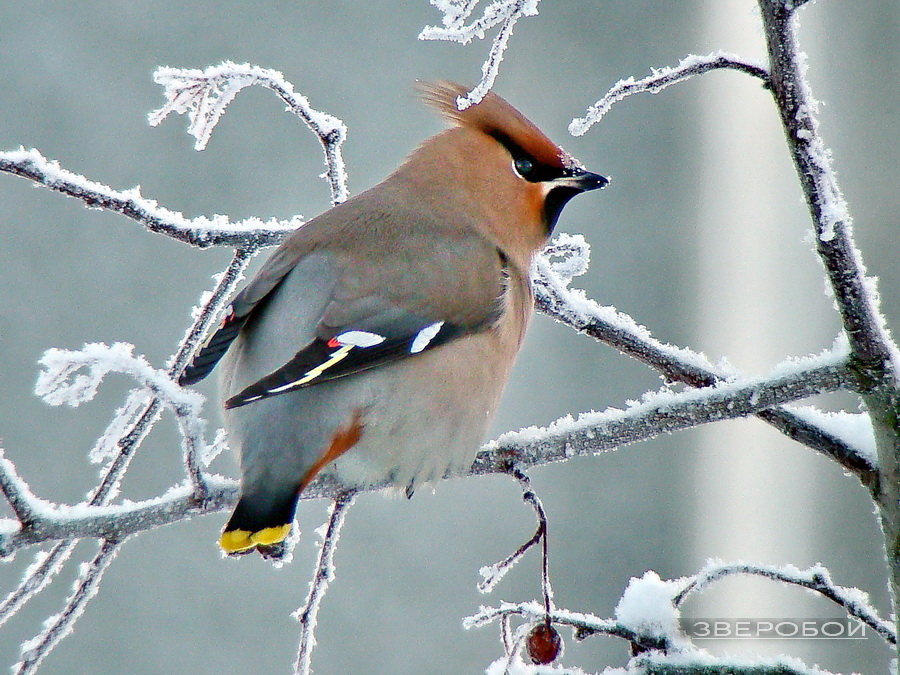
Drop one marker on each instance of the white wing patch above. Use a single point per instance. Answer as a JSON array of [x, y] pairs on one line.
[[359, 338], [425, 336]]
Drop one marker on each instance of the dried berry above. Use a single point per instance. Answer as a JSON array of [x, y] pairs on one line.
[[544, 644]]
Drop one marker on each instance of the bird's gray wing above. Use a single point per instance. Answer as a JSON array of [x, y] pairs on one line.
[[392, 302]]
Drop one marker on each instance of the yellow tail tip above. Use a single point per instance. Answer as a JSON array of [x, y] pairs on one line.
[[235, 541], [271, 535]]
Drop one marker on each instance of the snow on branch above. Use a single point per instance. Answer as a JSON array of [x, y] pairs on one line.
[[456, 12], [118, 444], [816, 579], [59, 384], [660, 78], [202, 232], [648, 616], [205, 94], [589, 434], [307, 616], [856, 295], [58, 626], [568, 256], [666, 412]]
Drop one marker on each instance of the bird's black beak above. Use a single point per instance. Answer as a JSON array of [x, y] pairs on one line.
[[574, 181], [581, 180]]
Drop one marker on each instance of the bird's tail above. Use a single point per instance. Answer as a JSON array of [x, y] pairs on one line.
[[259, 523]]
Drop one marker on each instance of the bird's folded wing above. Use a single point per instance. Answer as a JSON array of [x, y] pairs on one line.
[[268, 278], [348, 352]]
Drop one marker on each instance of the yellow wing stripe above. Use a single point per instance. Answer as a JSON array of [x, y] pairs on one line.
[[338, 356]]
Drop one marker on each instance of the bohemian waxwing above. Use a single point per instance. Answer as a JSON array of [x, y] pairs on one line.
[[375, 343]]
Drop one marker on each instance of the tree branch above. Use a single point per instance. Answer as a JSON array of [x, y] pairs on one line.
[[816, 579], [661, 78], [874, 355], [60, 625], [554, 298], [205, 94], [318, 587], [201, 232], [503, 12], [589, 434], [121, 439], [856, 300]]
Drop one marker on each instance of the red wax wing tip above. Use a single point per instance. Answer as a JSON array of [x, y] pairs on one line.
[[333, 343]]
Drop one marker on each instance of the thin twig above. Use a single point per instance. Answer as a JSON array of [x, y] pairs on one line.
[[16, 492], [34, 650], [589, 434], [584, 624], [201, 231], [816, 579], [504, 12], [555, 299], [46, 566], [322, 577], [661, 78]]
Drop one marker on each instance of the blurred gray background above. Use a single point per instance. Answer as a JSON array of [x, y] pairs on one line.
[[702, 237]]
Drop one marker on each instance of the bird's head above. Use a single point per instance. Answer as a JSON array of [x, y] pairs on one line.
[[498, 161]]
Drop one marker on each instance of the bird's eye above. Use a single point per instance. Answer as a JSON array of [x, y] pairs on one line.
[[523, 166]]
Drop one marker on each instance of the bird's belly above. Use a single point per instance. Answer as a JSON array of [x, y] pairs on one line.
[[422, 424]]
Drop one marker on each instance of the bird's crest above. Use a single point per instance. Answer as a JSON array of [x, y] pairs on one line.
[[497, 118]]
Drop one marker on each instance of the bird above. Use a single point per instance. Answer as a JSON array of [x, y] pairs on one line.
[[375, 342]]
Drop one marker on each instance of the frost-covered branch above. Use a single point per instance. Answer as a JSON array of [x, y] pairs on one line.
[[318, 587], [58, 626], [63, 383], [856, 296], [816, 579], [118, 444], [647, 616], [205, 94], [59, 384], [567, 257], [589, 434], [456, 12], [583, 624], [660, 78], [874, 354], [700, 662], [201, 231]]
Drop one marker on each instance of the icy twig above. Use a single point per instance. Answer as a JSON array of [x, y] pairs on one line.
[[503, 12], [816, 579], [661, 78], [124, 435], [699, 662], [554, 298], [60, 625], [205, 94], [491, 574], [583, 624], [17, 492], [589, 434], [58, 384], [318, 587], [201, 231]]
